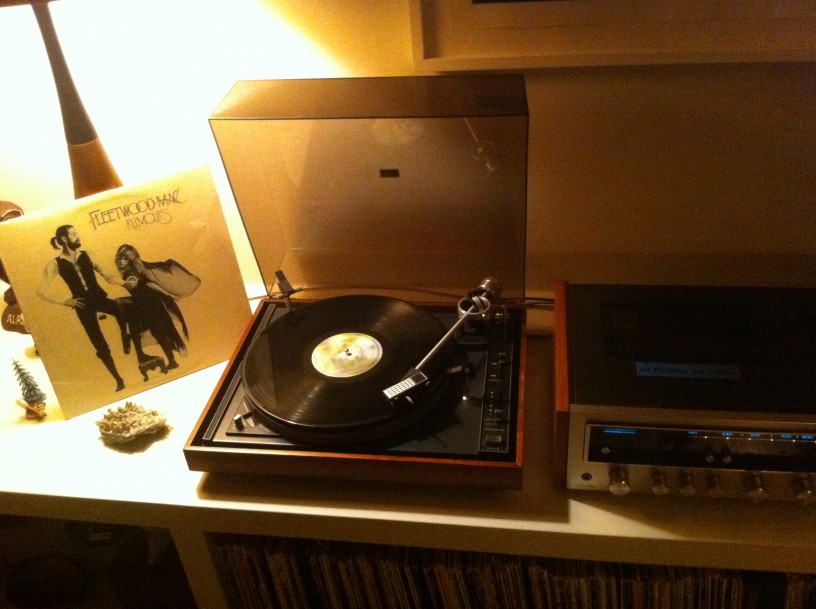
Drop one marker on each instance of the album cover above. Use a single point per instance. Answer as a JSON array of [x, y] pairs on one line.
[[127, 289]]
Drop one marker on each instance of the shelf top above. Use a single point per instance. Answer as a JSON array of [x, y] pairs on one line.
[[61, 469]]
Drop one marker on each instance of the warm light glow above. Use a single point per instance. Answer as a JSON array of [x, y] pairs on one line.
[[149, 72]]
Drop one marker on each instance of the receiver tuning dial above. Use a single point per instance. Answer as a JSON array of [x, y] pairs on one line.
[[618, 481]]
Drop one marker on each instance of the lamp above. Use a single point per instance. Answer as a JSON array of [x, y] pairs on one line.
[[91, 168]]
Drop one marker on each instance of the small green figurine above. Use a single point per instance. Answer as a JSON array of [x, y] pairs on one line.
[[32, 394]]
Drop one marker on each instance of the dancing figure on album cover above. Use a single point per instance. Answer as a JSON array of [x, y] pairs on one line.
[[154, 288], [77, 268]]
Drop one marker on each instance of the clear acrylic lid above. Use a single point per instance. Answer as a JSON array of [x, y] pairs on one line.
[[392, 184]]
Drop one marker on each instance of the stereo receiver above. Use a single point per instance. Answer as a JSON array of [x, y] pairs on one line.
[[686, 390]]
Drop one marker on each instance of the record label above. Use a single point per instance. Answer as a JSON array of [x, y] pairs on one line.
[[346, 354]]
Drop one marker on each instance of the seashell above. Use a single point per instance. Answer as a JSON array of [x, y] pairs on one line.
[[129, 422]]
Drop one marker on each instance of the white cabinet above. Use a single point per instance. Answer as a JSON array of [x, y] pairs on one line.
[[60, 469]]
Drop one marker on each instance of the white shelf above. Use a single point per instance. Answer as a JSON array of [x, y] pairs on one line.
[[61, 469]]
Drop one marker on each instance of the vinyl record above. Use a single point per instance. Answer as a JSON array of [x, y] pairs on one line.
[[317, 374]]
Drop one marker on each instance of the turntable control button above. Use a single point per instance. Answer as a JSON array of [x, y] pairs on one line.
[[495, 372], [618, 481], [755, 488], [238, 421], [495, 439]]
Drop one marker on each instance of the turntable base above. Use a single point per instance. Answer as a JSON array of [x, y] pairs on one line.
[[474, 438]]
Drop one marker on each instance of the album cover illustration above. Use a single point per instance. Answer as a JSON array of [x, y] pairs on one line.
[[127, 289]]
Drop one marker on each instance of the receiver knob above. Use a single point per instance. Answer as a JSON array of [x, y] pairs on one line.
[[714, 486], [659, 486], [687, 486], [755, 488], [803, 490], [618, 481]]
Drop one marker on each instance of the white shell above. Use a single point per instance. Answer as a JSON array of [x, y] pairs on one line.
[[128, 422]]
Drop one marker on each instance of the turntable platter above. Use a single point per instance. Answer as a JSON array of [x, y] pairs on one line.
[[317, 374]]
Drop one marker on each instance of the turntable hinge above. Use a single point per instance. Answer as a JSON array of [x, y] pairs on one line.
[[286, 289]]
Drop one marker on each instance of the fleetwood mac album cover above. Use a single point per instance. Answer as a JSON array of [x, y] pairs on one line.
[[127, 289]]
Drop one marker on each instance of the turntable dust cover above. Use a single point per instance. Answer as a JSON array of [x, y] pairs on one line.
[[127, 289]]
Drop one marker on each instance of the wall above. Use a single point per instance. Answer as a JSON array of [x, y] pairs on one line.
[[674, 173], [661, 173]]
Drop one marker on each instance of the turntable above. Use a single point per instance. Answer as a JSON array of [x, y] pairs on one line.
[[392, 203]]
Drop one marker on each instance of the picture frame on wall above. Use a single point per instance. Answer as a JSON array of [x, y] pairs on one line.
[[464, 35]]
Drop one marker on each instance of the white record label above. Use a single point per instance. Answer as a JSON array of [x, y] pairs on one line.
[[346, 354]]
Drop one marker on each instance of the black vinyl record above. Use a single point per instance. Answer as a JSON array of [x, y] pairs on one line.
[[317, 374]]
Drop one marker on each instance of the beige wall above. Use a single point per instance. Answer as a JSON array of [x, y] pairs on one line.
[[659, 173], [674, 173], [687, 173]]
